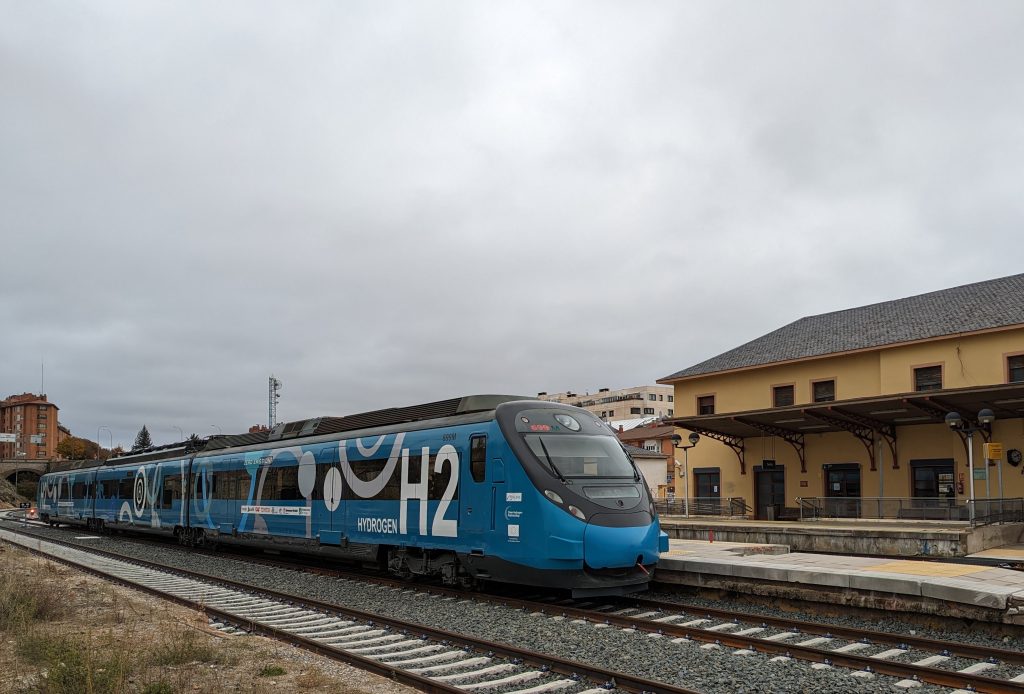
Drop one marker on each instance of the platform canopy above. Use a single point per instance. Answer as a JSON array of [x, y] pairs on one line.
[[865, 418]]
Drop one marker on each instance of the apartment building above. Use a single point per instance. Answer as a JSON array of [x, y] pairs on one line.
[[621, 404], [31, 420]]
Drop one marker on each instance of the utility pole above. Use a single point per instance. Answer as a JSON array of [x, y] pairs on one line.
[[273, 396]]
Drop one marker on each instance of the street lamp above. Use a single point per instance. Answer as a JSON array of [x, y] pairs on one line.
[[676, 440], [984, 423], [214, 426], [111, 437], [180, 432]]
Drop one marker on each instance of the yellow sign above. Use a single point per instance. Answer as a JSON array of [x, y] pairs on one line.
[[992, 451]]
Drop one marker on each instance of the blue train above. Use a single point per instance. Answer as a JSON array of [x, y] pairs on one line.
[[468, 490]]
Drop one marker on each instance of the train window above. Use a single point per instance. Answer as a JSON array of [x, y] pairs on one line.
[[287, 484], [582, 456], [225, 485], [171, 491], [78, 490], [478, 458], [126, 487]]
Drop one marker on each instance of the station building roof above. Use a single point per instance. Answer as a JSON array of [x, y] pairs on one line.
[[988, 305]]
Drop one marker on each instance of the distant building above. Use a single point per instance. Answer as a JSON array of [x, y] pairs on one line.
[[621, 404], [32, 420], [656, 442]]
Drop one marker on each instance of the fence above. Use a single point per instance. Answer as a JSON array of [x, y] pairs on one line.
[[702, 506], [915, 508], [992, 511]]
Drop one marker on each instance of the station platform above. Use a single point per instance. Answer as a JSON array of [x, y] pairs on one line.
[[937, 587], [893, 538]]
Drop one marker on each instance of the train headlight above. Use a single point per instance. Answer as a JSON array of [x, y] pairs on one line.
[[578, 513], [554, 497], [568, 422]]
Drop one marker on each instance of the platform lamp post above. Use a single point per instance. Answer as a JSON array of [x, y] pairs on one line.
[[984, 423], [181, 432], [676, 440]]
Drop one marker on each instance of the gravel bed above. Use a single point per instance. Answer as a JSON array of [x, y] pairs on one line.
[[709, 670], [888, 622]]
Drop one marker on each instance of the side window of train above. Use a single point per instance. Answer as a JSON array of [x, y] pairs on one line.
[[172, 490], [126, 486], [288, 483], [478, 457]]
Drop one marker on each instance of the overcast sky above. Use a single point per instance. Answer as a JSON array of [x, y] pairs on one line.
[[391, 203]]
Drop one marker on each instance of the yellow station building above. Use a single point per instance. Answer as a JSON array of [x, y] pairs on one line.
[[846, 412]]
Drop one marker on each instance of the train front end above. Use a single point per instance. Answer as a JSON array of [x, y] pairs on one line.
[[593, 527]]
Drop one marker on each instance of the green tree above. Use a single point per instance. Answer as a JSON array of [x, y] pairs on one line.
[[142, 439]]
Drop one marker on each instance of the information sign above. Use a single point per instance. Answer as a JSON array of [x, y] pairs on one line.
[[8, 438]]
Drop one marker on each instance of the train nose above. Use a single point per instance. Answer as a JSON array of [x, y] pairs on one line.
[[608, 547]]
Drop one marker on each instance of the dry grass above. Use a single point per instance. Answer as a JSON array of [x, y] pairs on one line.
[[62, 632]]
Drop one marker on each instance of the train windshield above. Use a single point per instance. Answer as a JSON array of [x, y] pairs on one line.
[[581, 456]]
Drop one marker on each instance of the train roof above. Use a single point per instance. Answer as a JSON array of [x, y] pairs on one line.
[[325, 425]]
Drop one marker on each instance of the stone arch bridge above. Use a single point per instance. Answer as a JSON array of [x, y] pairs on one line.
[[12, 470]]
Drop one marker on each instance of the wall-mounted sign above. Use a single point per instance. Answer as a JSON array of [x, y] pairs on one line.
[[8, 438], [803, 483], [767, 464], [36, 438], [992, 451]]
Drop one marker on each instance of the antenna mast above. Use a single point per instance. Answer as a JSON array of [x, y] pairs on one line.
[[273, 397]]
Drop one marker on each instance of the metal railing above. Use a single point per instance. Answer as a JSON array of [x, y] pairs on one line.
[[898, 508], [996, 511], [703, 506]]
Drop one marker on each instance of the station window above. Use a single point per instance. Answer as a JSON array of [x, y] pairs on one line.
[[706, 404], [823, 391], [670, 398], [670, 413], [478, 458], [634, 410], [652, 397], [1015, 369], [782, 396], [648, 410], [928, 378]]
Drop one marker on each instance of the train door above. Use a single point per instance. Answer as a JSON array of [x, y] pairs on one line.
[[479, 496]]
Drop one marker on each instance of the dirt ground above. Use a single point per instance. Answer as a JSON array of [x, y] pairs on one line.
[[65, 631]]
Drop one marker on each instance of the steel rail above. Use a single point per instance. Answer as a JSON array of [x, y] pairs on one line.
[[929, 675], [948, 648], [553, 663]]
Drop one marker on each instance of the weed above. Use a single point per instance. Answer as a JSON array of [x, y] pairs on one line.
[[74, 666], [271, 671], [24, 601], [183, 647], [160, 687], [312, 679]]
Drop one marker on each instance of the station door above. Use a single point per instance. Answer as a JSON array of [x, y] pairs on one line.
[[770, 489]]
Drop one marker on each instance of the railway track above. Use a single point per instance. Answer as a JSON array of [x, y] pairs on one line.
[[429, 659], [913, 660]]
